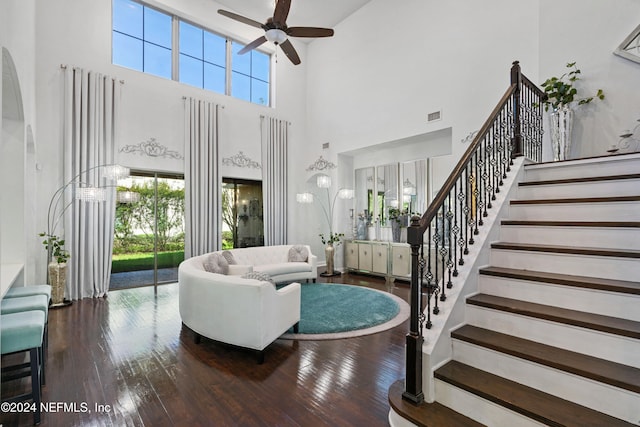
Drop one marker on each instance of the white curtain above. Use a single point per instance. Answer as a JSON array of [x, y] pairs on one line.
[[91, 102], [275, 141], [202, 180]]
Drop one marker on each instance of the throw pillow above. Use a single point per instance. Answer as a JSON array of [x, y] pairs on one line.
[[216, 263], [229, 257], [298, 253], [258, 275]]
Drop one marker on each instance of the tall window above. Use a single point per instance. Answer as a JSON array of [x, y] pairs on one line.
[[143, 38], [203, 58], [250, 76]]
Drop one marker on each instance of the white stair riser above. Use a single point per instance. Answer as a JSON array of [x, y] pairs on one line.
[[625, 187], [479, 409], [604, 398], [578, 265], [581, 340], [616, 165], [592, 237], [601, 211], [589, 300]]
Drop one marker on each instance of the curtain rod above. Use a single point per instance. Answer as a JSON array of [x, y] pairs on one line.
[[262, 116], [64, 67], [184, 98]]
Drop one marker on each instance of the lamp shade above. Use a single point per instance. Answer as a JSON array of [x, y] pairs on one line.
[[323, 181], [115, 172], [275, 35], [304, 198], [91, 194], [127, 197], [345, 193]]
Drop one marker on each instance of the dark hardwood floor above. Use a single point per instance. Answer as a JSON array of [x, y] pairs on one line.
[[130, 353]]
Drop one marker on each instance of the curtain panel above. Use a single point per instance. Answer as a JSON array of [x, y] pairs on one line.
[[202, 178], [91, 102], [275, 141]]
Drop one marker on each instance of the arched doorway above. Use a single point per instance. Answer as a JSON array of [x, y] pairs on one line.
[[12, 172]]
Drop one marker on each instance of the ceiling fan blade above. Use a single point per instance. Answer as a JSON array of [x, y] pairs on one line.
[[309, 32], [254, 44], [240, 18], [281, 11], [290, 51]]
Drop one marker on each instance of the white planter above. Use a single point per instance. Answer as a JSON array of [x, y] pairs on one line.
[[57, 280], [561, 122]]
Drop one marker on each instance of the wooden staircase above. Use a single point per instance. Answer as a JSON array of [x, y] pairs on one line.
[[553, 335]]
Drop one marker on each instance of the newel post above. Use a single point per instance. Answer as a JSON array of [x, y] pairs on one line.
[[413, 380], [516, 141]]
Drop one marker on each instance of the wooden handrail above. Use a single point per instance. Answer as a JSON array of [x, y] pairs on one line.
[[491, 155], [437, 202]]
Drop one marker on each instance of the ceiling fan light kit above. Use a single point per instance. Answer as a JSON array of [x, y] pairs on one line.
[[275, 35], [277, 31]]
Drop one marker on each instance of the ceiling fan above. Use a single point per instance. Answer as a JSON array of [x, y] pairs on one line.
[[276, 30]]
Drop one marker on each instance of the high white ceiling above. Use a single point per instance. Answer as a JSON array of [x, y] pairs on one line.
[[303, 13]]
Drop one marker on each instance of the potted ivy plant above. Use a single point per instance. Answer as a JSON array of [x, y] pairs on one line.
[[57, 268], [561, 97]]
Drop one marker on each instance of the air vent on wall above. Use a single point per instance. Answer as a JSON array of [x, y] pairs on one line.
[[432, 117]]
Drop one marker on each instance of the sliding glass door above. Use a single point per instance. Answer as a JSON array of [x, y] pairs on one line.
[[149, 230], [242, 217]]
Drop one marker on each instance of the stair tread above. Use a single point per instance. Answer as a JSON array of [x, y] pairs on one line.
[[605, 371], [607, 199], [580, 179], [608, 324], [621, 286], [427, 414], [574, 250], [595, 224], [535, 404]]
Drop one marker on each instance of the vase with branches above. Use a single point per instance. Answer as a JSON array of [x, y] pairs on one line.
[[561, 97]]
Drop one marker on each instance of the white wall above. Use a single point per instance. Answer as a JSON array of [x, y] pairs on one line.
[[588, 31], [17, 141]]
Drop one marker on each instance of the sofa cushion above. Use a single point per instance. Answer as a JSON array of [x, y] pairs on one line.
[[298, 253], [229, 257], [283, 268], [216, 263], [258, 275]]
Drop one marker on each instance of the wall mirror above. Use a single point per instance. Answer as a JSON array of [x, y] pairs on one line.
[[630, 47], [387, 191], [415, 186], [364, 187]]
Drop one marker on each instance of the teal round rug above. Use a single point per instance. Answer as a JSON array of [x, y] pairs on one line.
[[332, 311]]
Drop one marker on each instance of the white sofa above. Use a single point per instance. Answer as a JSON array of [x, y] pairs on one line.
[[244, 312], [274, 261]]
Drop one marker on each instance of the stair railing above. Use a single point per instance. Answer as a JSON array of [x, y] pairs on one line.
[[440, 239]]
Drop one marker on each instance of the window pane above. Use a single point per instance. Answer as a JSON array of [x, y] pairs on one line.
[[157, 27], [240, 63], [215, 49], [190, 71], [214, 78], [157, 60], [127, 51], [190, 40], [259, 92], [127, 17], [240, 86], [260, 66]]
